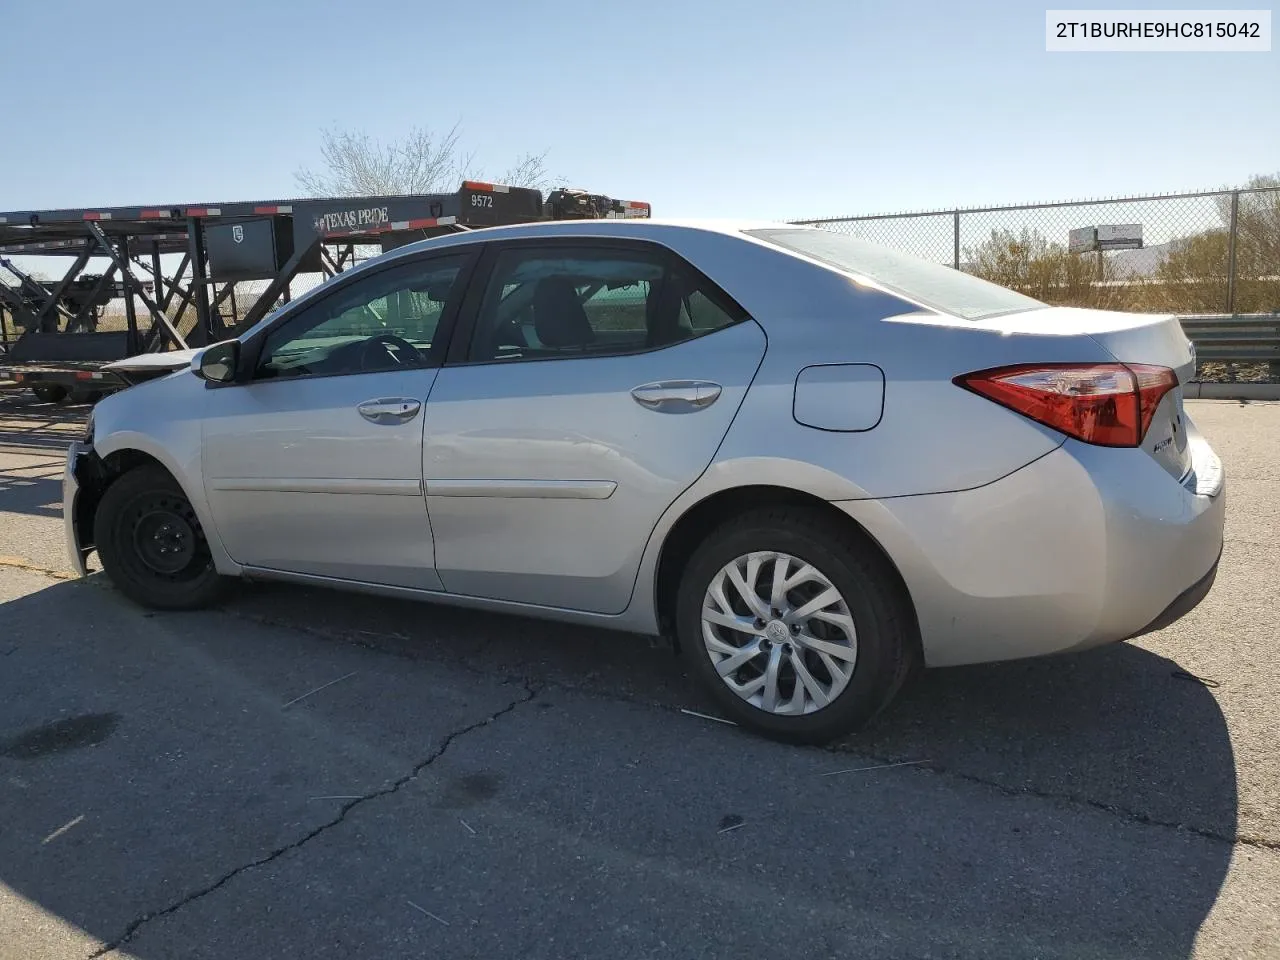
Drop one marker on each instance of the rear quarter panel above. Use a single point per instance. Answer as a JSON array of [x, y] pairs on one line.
[[932, 436]]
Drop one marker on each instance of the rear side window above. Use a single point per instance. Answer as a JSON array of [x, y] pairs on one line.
[[702, 313], [622, 309], [938, 287], [570, 301]]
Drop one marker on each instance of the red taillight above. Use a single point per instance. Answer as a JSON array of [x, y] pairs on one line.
[[1109, 404]]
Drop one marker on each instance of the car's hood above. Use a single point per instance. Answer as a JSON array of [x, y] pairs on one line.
[[155, 362]]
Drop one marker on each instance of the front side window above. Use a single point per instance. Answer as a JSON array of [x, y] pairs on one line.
[[552, 303], [383, 321]]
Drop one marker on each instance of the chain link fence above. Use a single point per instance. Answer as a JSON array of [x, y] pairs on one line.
[[1215, 252]]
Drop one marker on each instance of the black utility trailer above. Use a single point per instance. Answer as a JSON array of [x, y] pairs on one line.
[[49, 336]]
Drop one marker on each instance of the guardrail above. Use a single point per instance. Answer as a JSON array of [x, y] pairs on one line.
[[1235, 338]]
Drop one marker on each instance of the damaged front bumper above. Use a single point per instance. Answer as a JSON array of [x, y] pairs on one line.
[[72, 493]]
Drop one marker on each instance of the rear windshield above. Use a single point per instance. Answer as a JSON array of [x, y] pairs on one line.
[[937, 287]]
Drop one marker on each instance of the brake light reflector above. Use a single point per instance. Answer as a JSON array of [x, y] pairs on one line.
[[484, 187], [1108, 404]]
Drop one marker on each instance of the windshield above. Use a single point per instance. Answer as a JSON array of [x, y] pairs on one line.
[[931, 284]]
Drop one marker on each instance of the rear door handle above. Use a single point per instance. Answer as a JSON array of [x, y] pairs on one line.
[[677, 396], [388, 411]]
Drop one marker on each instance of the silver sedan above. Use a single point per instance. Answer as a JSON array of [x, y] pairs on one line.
[[814, 463]]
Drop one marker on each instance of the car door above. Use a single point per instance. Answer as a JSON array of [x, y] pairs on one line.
[[591, 384], [313, 464]]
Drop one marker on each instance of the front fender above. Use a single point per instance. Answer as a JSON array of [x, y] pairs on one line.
[[186, 471], [160, 419]]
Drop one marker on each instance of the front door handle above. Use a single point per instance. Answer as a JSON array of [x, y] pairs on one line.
[[389, 410], [677, 396]]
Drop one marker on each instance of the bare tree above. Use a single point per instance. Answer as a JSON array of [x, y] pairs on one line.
[[530, 170], [422, 162], [1259, 203], [1194, 276], [1258, 241]]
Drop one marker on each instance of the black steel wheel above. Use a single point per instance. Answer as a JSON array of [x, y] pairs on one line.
[[151, 544]]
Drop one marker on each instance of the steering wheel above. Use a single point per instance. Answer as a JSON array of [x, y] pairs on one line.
[[404, 354]]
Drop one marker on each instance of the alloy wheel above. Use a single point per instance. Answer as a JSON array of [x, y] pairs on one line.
[[779, 633]]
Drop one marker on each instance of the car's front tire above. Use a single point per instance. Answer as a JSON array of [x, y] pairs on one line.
[[798, 629], [151, 544]]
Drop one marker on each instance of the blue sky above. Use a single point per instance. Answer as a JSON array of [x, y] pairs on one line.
[[756, 108]]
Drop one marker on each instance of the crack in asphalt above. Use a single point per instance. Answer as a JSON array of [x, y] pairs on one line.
[[369, 641], [530, 691], [1115, 810]]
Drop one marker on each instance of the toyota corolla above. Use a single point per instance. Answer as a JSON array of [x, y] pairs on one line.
[[813, 463]]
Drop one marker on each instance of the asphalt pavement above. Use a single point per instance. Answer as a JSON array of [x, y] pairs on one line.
[[312, 774]]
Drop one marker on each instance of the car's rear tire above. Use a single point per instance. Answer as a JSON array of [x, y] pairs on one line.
[[151, 544], [839, 638], [49, 392]]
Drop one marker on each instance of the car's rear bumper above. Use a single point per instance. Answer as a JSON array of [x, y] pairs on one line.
[[1082, 547], [1185, 602]]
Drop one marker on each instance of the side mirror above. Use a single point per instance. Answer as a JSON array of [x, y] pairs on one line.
[[218, 363]]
